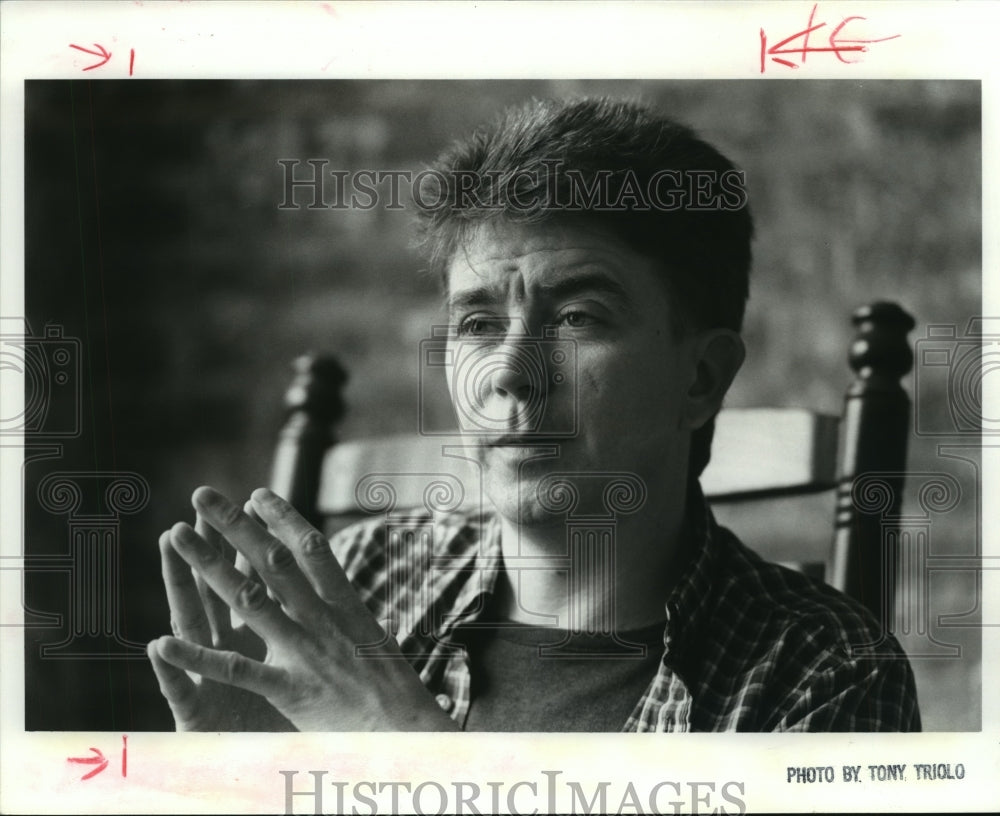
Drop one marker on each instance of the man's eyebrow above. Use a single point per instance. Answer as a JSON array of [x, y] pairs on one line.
[[569, 285], [580, 282], [476, 296]]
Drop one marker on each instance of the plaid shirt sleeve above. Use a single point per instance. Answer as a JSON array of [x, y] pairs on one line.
[[772, 650], [854, 694]]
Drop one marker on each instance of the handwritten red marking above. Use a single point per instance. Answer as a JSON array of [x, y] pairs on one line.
[[810, 28], [864, 43], [131, 60], [101, 52], [124, 755], [837, 46], [98, 760]]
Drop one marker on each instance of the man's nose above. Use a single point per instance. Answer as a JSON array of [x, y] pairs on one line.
[[516, 373], [513, 376]]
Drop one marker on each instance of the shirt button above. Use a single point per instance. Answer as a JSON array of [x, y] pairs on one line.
[[444, 701]]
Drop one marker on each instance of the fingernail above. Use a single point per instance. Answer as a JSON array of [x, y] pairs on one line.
[[192, 545], [165, 648], [263, 495], [182, 533], [251, 511], [208, 497]]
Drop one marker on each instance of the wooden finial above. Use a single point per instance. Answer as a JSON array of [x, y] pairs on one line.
[[314, 402], [880, 354], [316, 387]]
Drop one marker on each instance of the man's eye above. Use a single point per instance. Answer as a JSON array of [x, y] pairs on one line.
[[577, 319], [482, 326]]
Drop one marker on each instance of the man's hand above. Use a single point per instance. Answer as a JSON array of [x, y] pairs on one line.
[[199, 616], [311, 674]]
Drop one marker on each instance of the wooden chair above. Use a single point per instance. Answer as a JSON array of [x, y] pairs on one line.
[[775, 475]]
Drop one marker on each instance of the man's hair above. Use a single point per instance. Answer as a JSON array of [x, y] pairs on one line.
[[619, 167]]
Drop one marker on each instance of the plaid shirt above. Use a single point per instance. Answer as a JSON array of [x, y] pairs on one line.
[[748, 645]]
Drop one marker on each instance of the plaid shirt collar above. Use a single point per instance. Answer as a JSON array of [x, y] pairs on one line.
[[689, 601]]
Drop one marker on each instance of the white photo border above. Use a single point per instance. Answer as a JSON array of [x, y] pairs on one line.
[[208, 773]]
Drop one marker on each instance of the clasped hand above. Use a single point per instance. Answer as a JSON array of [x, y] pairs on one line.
[[293, 662]]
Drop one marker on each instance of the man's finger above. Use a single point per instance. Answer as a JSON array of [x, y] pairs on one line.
[[313, 553], [231, 668], [242, 564], [187, 612], [251, 511], [310, 547], [177, 688], [216, 609], [272, 560], [247, 598]]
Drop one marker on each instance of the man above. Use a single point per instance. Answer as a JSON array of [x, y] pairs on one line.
[[598, 232]]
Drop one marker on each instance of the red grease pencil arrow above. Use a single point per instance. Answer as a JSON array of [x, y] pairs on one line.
[[98, 760], [99, 53]]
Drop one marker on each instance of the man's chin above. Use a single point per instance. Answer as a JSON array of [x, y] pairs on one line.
[[527, 514], [517, 499]]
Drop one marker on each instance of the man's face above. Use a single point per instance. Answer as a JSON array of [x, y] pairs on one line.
[[524, 300]]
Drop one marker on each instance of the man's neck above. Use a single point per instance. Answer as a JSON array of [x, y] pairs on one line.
[[592, 577]]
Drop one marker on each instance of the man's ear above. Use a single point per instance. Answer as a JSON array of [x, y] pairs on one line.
[[717, 356]]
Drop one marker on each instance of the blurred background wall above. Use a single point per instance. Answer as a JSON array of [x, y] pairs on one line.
[[153, 235]]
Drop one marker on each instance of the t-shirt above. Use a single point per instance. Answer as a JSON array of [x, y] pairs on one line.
[[537, 678]]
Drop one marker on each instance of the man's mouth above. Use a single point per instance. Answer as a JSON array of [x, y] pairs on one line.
[[532, 440]]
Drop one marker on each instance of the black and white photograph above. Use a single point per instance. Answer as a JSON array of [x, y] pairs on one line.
[[550, 409]]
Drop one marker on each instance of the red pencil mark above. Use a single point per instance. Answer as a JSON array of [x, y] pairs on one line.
[[836, 45], [101, 761], [328, 9], [99, 53], [131, 60], [98, 760]]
